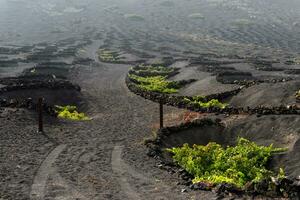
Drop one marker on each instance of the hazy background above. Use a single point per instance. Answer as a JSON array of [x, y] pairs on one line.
[[273, 23]]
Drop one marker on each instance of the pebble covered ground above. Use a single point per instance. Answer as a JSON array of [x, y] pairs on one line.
[[242, 43]]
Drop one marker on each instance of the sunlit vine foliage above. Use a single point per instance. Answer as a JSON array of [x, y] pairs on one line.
[[200, 101], [298, 94], [153, 78], [155, 84], [71, 113], [238, 165]]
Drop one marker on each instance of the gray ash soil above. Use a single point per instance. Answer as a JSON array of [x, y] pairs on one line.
[[281, 131], [121, 121], [105, 158], [267, 95], [85, 169], [22, 151]]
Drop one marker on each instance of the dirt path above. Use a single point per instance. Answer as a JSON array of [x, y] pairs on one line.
[[39, 183], [117, 167], [105, 158]]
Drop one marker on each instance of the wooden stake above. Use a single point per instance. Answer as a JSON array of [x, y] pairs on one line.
[[161, 114], [40, 113]]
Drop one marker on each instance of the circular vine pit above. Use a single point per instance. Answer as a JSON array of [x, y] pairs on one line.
[[281, 131]]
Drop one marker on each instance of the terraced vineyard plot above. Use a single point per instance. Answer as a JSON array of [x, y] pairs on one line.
[[154, 79], [54, 72], [108, 56], [295, 61], [149, 70], [155, 84], [196, 16], [241, 52], [202, 102], [134, 17]]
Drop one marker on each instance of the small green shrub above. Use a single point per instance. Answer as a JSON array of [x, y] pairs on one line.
[[298, 94], [33, 71], [155, 84], [201, 102], [150, 70], [296, 61], [236, 165], [70, 112], [281, 174]]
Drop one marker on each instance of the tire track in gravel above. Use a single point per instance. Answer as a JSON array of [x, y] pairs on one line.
[[69, 192], [116, 162], [43, 173], [122, 170], [101, 84]]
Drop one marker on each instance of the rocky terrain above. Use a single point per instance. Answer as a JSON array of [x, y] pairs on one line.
[[249, 47]]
